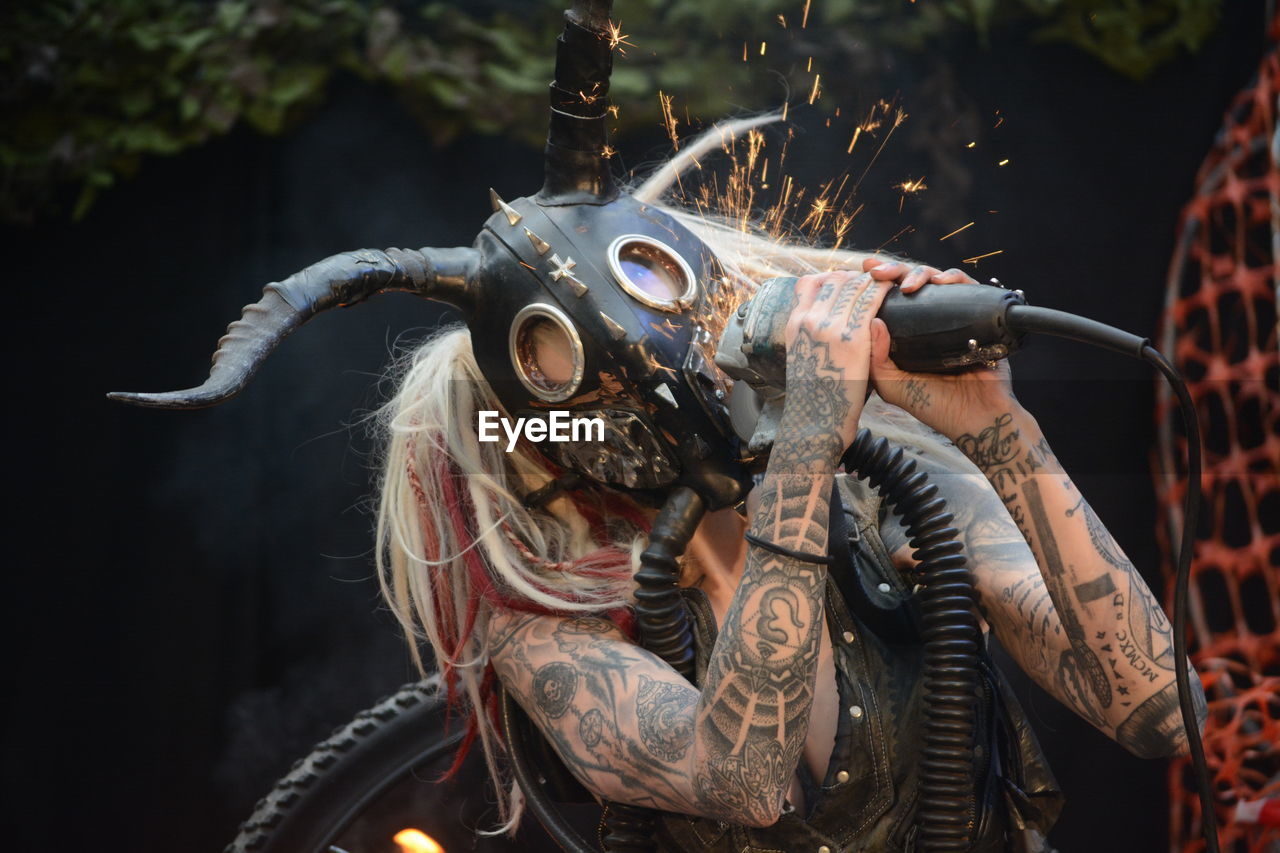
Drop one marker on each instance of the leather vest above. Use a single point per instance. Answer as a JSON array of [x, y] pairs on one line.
[[867, 800]]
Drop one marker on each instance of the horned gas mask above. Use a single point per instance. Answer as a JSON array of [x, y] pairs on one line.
[[578, 299]]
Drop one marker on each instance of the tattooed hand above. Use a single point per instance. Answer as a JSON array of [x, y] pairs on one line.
[[828, 355], [909, 276], [950, 403]]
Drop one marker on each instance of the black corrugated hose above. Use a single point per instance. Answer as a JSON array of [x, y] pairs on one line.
[[946, 815]]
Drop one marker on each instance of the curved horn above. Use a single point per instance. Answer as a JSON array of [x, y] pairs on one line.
[[339, 280], [577, 164]]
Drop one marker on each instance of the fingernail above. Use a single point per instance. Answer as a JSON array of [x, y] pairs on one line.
[[885, 266]]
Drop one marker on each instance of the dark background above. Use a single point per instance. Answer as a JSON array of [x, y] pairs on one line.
[[189, 596]]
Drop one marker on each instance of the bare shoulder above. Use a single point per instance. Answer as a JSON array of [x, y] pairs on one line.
[[619, 717]]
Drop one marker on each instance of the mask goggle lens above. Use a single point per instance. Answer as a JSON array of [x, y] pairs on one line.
[[546, 352], [652, 272]]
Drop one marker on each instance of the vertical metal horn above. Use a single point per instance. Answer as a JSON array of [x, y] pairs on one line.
[[577, 163], [445, 275]]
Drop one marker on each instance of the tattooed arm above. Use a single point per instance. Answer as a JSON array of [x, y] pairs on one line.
[[1017, 599], [1114, 661], [1057, 589], [625, 723]]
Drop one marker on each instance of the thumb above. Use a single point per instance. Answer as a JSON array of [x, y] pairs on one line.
[[880, 344]]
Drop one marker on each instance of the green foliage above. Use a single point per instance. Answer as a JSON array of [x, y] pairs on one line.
[[99, 84], [95, 86], [1132, 36]]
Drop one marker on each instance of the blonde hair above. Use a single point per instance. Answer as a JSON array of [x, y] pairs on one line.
[[453, 536]]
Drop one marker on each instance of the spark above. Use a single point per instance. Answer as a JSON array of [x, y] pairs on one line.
[[755, 144], [668, 119], [618, 39], [1003, 162], [843, 222], [817, 88], [757, 196], [905, 229], [974, 260], [608, 151], [762, 47], [955, 232], [817, 212], [809, 66], [912, 186], [744, 51], [782, 20], [773, 218], [971, 145], [804, 18], [666, 328], [612, 110], [651, 361], [898, 119], [857, 131]]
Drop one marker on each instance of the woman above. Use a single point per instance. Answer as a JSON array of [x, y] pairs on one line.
[[804, 726]]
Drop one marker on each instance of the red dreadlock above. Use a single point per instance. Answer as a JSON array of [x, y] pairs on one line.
[[608, 562]]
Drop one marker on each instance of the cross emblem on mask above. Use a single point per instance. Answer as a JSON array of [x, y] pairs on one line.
[[562, 268]]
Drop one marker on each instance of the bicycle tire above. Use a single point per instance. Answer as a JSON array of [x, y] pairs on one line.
[[398, 744], [326, 790]]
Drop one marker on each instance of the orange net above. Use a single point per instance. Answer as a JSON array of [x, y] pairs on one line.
[[1220, 329]]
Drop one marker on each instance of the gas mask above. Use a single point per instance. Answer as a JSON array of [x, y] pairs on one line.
[[594, 309], [579, 299]]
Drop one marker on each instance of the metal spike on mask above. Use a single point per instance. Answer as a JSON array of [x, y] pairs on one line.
[[539, 245], [513, 218], [615, 330]]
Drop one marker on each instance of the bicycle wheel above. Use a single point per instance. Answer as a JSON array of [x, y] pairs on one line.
[[379, 775]]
